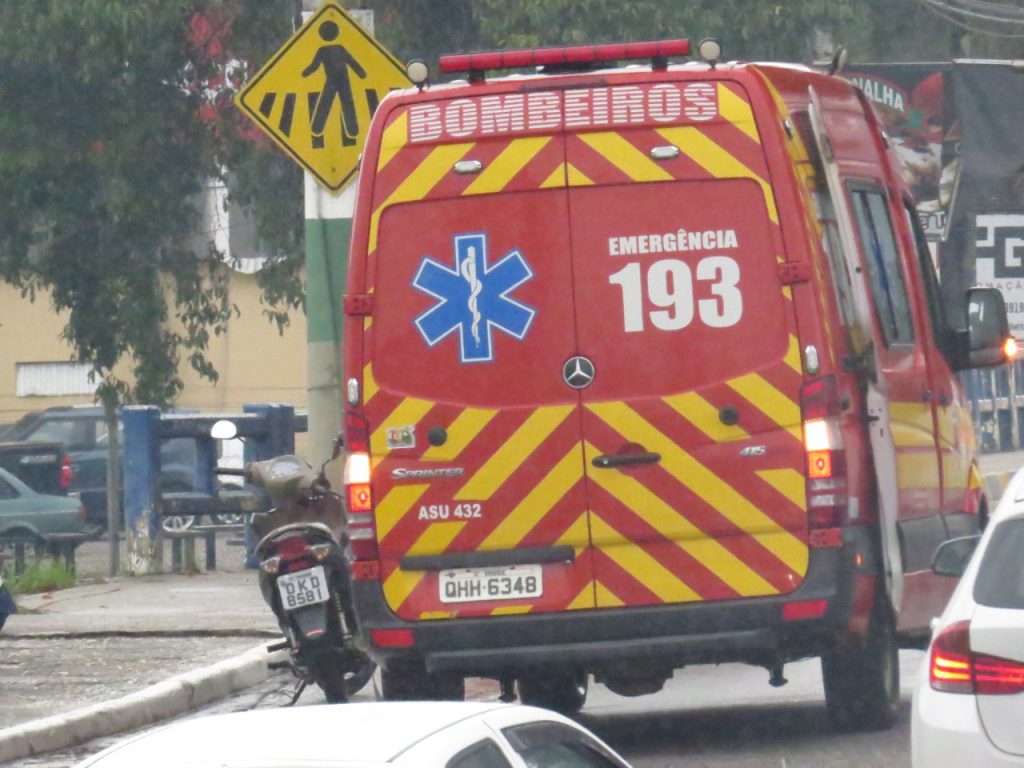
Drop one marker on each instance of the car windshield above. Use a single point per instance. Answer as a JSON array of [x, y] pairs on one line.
[[1000, 582]]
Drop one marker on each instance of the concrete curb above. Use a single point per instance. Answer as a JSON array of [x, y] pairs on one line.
[[174, 696]]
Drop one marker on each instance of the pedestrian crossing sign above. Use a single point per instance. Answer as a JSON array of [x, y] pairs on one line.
[[316, 95]]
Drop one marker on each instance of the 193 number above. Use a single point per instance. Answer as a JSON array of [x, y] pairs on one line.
[[669, 287]]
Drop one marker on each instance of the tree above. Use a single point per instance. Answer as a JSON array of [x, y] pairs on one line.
[[110, 131], [758, 30], [112, 125]]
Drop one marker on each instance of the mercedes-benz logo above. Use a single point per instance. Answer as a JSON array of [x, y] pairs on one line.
[[578, 372]]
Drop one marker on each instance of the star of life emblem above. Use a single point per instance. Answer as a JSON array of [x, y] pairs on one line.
[[474, 298]]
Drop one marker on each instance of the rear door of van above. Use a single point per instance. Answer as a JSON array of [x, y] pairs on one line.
[[478, 468], [692, 424]]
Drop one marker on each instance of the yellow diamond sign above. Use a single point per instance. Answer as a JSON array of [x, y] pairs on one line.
[[316, 95]]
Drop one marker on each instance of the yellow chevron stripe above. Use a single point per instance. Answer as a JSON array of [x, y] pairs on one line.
[[435, 615], [636, 561], [393, 139], [538, 502], [400, 584], [370, 387], [585, 599], [576, 177], [556, 179], [675, 528], [792, 358], [717, 161], [606, 598], [704, 416], [911, 423], [789, 483], [706, 484], [418, 183], [737, 111], [507, 459], [577, 535], [500, 171], [917, 470], [408, 412], [466, 426], [626, 157], [770, 401], [394, 505], [511, 610]]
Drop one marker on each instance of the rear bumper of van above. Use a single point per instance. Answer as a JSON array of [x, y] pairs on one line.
[[750, 630]]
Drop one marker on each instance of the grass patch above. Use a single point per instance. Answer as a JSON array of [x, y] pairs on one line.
[[39, 576]]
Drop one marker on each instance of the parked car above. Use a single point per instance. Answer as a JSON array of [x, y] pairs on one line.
[[34, 516], [420, 734], [39, 465], [969, 702], [82, 430]]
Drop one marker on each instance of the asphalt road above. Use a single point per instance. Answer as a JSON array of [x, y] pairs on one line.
[[706, 717]]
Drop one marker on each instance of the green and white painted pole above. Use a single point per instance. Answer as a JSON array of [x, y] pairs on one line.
[[328, 229]]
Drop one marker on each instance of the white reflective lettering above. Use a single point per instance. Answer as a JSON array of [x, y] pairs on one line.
[[664, 103], [424, 122], [701, 101]]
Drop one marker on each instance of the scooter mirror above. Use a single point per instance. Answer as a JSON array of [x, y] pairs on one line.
[[224, 430], [339, 443]]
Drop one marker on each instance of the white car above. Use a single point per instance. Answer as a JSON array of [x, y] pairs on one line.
[[417, 734], [968, 707]]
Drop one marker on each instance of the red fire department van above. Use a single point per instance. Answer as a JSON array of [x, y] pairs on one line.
[[648, 366]]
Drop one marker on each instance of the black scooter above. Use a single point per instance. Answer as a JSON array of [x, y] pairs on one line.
[[305, 577]]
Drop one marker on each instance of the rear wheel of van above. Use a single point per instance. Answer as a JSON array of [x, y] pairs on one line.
[[418, 686], [563, 693], [862, 685]]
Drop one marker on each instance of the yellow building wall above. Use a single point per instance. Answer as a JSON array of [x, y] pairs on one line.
[[256, 364]]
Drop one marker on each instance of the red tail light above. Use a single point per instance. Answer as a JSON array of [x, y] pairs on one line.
[[65, 472], [293, 554], [823, 443], [954, 668], [358, 488]]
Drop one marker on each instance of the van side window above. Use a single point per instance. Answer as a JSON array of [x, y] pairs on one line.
[[833, 246], [888, 285], [932, 292]]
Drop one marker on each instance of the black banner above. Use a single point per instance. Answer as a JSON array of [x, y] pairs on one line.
[[990, 100]]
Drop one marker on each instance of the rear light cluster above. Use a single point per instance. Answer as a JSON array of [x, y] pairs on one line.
[[292, 553], [65, 472], [358, 491], [954, 668], [826, 459]]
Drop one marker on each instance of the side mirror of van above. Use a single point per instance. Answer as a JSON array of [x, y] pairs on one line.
[[988, 328], [952, 556]]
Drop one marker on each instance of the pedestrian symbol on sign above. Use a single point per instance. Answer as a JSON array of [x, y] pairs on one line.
[[316, 96], [335, 61]]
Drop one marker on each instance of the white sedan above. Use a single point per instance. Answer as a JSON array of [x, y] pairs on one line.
[[968, 707], [416, 734]]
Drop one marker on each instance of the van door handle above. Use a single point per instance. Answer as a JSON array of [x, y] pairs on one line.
[[624, 459]]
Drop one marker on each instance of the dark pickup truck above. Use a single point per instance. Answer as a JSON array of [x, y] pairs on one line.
[[37, 464], [80, 432]]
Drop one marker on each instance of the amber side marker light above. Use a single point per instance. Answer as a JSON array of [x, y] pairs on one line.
[[1011, 349]]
